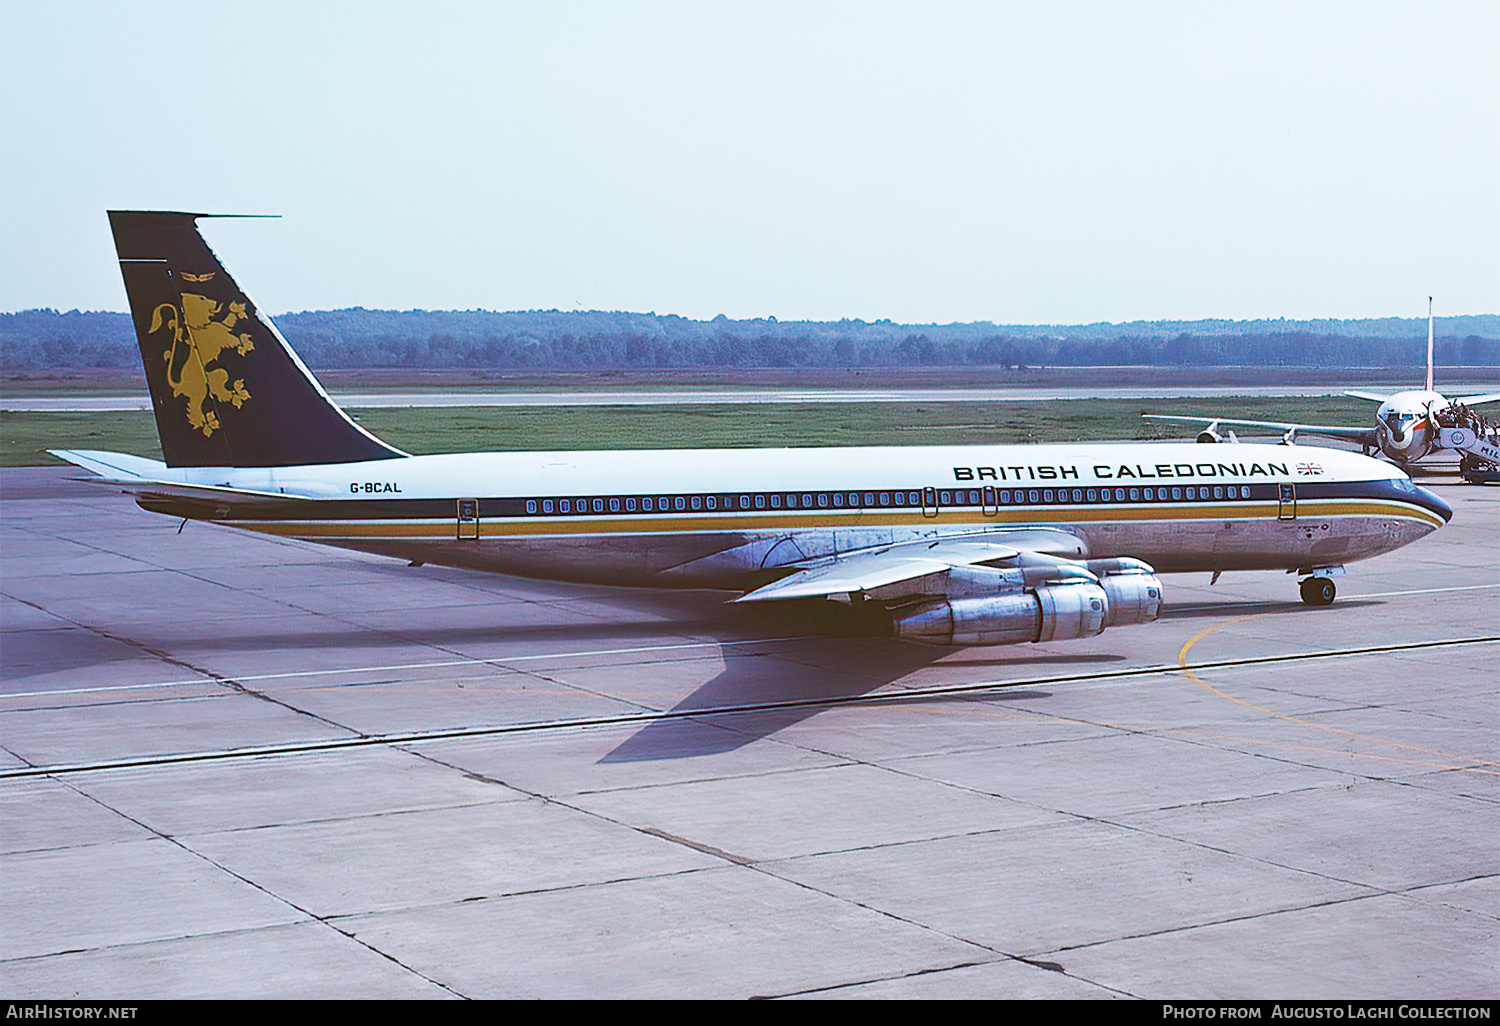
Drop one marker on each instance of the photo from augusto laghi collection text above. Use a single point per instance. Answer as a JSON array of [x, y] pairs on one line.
[[1358, 1010]]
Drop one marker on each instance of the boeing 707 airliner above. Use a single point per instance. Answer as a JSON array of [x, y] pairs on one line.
[[958, 545]]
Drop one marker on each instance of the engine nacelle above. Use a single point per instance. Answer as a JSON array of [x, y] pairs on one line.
[[1133, 599], [1049, 613], [1133, 588]]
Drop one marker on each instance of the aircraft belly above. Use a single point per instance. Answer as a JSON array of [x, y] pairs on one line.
[[626, 560], [1262, 544]]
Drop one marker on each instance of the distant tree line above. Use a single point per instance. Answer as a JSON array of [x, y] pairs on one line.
[[39, 340]]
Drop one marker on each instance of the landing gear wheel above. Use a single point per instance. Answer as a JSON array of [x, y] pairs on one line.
[[1318, 591]]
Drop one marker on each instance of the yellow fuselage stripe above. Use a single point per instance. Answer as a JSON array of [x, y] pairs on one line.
[[521, 527]]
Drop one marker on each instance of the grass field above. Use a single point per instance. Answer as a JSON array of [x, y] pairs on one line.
[[25, 437]]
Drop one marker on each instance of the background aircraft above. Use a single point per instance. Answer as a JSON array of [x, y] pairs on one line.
[[1407, 423]]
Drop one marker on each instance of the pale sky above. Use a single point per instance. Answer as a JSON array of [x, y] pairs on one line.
[[1019, 163]]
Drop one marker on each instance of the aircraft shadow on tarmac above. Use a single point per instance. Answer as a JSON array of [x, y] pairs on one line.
[[858, 642], [1290, 608]]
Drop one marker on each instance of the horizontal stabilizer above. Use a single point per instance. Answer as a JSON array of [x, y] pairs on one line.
[[142, 477]]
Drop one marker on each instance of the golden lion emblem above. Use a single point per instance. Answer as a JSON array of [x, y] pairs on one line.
[[197, 341]]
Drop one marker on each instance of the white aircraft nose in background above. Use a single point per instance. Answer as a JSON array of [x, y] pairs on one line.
[[1407, 424]]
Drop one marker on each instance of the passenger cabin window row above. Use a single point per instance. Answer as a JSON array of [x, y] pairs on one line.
[[985, 498]]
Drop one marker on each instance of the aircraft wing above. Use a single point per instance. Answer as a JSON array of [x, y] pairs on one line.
[[1475, 400], [868, 569], [1364, 436]]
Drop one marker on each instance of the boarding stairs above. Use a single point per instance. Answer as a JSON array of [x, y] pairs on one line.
[[1481, 461]]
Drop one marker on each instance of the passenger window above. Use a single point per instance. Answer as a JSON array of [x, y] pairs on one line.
[[1005, 495], [598, 505], [546, 505], [614, 505], [565, 506], [697, 501], [1176, 493], [678, 502], [823, 499], [838, 498], [807, 501], [1135, 493], [712, 502], [776, 502], [531, 505], [629, 505], [946, 498], [1093, 494], [1034, 496]]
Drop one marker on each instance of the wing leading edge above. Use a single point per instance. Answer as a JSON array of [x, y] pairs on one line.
[[1365, 436]]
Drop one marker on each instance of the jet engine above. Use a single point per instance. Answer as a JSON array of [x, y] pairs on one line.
[[1046, 614], [1079, 602], [1133, 590]]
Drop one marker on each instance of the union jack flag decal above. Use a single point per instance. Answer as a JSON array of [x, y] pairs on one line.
[[1309, 468]]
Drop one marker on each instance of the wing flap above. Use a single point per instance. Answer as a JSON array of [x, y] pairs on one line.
[[869, 569]]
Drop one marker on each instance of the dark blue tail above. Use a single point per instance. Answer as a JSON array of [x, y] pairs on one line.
[[227, 389]]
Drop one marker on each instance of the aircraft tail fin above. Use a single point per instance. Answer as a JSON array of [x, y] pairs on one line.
[[226, 388], [1429, 344]]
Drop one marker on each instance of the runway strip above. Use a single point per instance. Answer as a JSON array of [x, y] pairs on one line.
[[625, 719], [701, 397]]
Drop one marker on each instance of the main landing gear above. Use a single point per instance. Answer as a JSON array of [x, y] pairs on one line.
[[1318, 591]]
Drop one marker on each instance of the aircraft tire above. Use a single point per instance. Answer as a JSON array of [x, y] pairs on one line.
[[1318, 591]]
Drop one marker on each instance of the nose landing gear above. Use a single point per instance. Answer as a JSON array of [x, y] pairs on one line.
[[1318, 591]]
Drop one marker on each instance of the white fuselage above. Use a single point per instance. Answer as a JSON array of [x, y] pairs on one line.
[[730, 518]]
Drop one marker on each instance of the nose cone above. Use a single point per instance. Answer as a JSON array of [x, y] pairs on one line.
[[1435, 503]]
